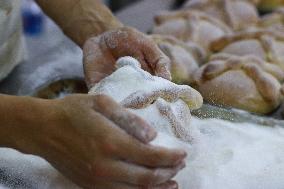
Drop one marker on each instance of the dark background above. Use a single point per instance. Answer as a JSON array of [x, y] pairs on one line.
[[118, 4]]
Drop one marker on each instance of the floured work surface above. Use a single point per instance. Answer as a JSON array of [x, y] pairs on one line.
[[222, 154]]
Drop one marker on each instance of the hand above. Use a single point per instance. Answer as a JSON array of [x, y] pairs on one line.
[[85, 142], [101, 53]]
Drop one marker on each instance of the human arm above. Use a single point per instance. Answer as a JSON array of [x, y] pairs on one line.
[[81, 137], [80, 19], [91, 23]]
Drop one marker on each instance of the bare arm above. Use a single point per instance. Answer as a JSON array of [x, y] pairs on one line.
[[18, 116], [80, 19], [81, 137], [91, 21]]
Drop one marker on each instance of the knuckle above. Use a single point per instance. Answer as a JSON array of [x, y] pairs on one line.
[[154, 156], [150, 178], [89, 44], [108, 147], [129, 29], [99, 170], [103, 98], [73, 99], [99, 97]]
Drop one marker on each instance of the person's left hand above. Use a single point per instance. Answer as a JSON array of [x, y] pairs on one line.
[[101, 53]]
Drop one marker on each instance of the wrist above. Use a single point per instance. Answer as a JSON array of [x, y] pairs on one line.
[[24, 119], [88, 18], [115, 24]]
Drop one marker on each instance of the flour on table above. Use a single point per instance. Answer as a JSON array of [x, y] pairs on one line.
[[221, 154], [163, 104]]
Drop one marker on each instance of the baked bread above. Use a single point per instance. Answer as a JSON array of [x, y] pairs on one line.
[[274, 20], [238, 14], [246, 83], [269, 5], [185, 57], [191, 26], [266, 44]]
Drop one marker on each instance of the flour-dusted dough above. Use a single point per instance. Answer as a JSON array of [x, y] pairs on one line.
[[185, 57], [238, 14], [163, 104], [267, 44], [191, 26], [220, 154], [246, 82]]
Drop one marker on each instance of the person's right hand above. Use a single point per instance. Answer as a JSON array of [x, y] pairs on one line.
[[100, 54], [88, 139]]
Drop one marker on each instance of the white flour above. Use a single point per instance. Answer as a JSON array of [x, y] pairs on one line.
[[163, 104], [221, 154], [226, 155]]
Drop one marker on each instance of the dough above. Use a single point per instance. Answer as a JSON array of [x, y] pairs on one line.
[[238, 14], [245, 82], [163, 104], [221, 154], [267, 44], [191, 26], [185, 57]]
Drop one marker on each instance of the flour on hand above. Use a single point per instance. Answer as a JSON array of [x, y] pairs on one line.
[[163, 104], [221, 154]]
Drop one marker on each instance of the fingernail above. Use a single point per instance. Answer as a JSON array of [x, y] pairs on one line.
[[173, 185], [169, 76], [149, 134], [182, 166], [165, 75], [182, 154]]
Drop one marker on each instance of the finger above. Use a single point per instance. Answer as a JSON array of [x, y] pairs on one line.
[[148, 155], [113, 144], [141, 59], [127, 42], [168, 185], [97, 63], [126, 120], [117, 185], [163, 68], [158, 61], [134, 174]]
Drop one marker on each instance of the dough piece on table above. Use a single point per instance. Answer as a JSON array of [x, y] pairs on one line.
[[242, 82], [163, 104], [238, 14], [185, 57], [191, 26], [266, 44]]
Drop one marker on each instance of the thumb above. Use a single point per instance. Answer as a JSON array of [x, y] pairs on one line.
[[162, 67], [157, 60], [124, 119]]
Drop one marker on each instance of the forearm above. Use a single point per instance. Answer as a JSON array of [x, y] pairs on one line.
[[21, 121], [80, 19]]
